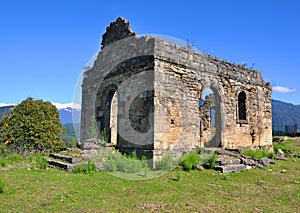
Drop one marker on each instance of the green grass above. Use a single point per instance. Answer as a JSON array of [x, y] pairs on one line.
[[2, 185], [14, 158], [255, 190]]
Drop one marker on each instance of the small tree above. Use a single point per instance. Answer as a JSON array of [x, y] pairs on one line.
[[32, 126]]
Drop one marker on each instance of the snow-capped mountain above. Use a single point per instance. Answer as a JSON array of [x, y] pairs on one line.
[[69, 114]]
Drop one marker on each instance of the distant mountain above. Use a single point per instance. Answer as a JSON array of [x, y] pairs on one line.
[[66, 115], [285, 113]]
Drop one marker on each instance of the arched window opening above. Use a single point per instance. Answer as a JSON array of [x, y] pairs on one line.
[[242, 106]]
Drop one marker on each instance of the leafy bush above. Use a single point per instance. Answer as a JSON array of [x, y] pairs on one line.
[[85, 168], [166, 163], [41, 162], [283, 147], [3, 149], [212, 161], [2, 185], [32, 126], [258, 153], [190, 161]]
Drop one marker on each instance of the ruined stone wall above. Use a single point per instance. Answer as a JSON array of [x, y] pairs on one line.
[[189, 74]]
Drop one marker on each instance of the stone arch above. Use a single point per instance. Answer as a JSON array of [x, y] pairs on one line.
[[211, 115]]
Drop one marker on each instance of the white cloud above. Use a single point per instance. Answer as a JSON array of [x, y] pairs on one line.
[[281, 89], [3, 104]]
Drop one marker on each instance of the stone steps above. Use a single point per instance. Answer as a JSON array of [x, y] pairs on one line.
[[61, 165], [232, 160], [64, 162], [68, 159]]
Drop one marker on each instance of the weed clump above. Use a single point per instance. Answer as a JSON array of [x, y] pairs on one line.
[[3, 162], [124, 163], [166, 163], [41, 162], [90, 167], [190, 161], [212, 161]]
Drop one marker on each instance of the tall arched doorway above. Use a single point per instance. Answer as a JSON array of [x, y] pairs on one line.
[[210, 117], [107, 114]]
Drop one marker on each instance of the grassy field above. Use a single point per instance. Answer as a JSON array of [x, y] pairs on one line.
[[255, 190]]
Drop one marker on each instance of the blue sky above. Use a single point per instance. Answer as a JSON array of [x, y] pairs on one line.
[[45, 44]]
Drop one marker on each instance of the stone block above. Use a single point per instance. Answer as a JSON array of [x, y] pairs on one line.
[[231, 168]]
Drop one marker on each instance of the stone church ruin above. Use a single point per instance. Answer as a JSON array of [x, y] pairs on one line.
[[153, 96]]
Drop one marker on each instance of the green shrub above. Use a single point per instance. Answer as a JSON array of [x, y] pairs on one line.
[[190, 161], [3, 162], [14, 158], [85, 168], [212, 161], [166, 163], [41, 162], [2, 185]]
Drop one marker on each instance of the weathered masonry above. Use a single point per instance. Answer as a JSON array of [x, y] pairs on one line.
[[153, 96]]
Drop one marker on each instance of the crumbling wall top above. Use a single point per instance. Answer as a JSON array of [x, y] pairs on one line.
[[117, 30]]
